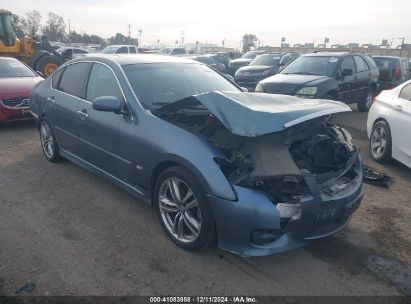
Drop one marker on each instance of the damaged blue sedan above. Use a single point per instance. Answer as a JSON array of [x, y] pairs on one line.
[[257, 173]]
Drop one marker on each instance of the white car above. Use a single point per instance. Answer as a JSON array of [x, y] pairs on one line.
[[389, 125], [120, 49]]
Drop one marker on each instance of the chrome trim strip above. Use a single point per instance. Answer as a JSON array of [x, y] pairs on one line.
[[34, 114], [315, 115], [94, 146], [104, 172]]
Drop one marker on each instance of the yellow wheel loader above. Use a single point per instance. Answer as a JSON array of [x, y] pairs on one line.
[[40, 56]]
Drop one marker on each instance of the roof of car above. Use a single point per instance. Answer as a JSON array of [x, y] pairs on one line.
[[390, 57], [333, 54], [120, 45], [124, 59]]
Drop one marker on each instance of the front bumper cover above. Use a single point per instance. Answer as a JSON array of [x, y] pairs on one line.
[[321, 217]]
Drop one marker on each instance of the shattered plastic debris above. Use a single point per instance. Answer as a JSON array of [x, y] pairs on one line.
[[373, 177], [29, 287]]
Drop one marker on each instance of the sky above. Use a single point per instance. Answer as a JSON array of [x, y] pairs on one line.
[[213, 21]]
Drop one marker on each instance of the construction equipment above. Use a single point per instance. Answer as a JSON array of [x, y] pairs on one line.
[[40, 56]]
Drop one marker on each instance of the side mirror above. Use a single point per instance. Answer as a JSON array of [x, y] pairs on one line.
[[347, 72], [108, 104]]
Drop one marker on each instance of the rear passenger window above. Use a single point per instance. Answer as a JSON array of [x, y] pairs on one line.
[[56, 79], [102, 82], [406, 92], [361, 64], [73, 79], [133, 50]]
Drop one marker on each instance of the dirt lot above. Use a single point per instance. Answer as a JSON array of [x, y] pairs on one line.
[[70, 232]]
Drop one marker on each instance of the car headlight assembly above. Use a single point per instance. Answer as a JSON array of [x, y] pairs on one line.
[[259, 88], [239, 73], [307, 92], [266, 72]]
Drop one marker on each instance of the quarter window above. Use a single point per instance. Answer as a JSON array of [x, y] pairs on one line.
[[361, 64], [406, 92], [73, 79], [102, 82], [56, 78]]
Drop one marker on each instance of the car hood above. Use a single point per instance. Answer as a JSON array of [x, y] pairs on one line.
[[12, 87], [256, 114], [241, 60], [296, 79], [255, 68]]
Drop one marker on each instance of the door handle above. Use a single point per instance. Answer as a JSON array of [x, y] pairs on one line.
[[83, 114], [50, 99], [398, 107]]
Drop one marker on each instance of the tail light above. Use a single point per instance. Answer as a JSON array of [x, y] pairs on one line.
[[397, 72]]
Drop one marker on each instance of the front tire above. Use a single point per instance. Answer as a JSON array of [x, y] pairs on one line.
[[365, 105], [48, 142], [381, 142], [183, 210]]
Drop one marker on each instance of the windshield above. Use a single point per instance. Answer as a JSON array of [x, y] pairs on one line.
[[312, 65], [158, 85], [14, 68], [250, 55], [109, 50], [166, 51], [268, 60]]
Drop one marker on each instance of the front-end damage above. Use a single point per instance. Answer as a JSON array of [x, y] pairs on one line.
[[293, 184]]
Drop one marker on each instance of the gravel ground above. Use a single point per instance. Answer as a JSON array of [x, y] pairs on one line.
[[72, 233]]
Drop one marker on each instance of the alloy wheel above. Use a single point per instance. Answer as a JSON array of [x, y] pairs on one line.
[[179, 210], [47, 140], [378, 141]]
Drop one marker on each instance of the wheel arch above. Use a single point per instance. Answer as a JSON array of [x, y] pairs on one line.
[[333, 92]]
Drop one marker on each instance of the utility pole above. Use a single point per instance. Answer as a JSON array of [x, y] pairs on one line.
[[69, 31], [129, 30], [402, 44], [182, 38], [140, 32]]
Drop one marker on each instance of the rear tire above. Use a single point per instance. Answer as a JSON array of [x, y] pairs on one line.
[[381, 142], [185, 216], [365, 105], [47, 64], [48, 142]]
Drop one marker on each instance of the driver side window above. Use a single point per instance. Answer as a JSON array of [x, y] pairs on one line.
[[348, 63], [102, 82]]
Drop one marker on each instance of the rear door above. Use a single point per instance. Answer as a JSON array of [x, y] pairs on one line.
[[68, 87], [106, 137]]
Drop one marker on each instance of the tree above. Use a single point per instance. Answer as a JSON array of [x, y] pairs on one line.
[[30, 25], [119, 38], [249, 41], [55, 28]]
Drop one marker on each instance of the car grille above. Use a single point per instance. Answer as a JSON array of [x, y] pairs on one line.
[[279, 89], [20, 102]]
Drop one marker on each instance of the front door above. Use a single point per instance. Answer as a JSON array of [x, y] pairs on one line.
[[107, 137], [401, 124], [347, 86]]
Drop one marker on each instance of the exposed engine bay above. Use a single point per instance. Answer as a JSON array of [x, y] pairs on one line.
[[274, 163]]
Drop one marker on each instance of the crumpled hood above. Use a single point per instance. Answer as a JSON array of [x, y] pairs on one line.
[[255, 114]]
